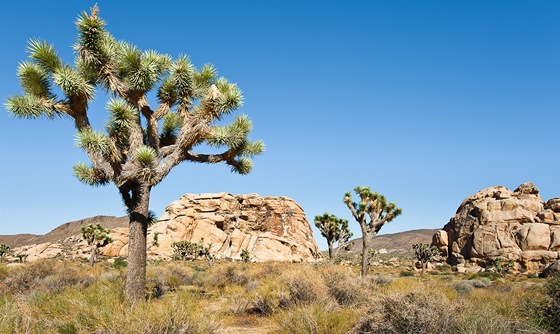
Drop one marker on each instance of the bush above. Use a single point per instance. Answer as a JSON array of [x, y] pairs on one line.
[[120, 262], [343, 286], [316, 318], [406, 274], [418, 313], [550, 308], [463, 287], [382, 280]]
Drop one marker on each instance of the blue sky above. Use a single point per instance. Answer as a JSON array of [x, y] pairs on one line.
[[426, 102]]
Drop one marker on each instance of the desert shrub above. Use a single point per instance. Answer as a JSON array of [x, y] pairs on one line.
[[120, 262], [481, 283], [406, 273], [463, 287], [47, 276], [382, 280], [444, 268], [317, 319], [305, 285], [230, 273], [419, 312], [548, 310], [343, 286]]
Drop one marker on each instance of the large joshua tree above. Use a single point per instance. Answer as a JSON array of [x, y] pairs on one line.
[[335, 230], [141, 143], [374, 206]]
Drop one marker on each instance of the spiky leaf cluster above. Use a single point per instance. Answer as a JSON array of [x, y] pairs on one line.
[[89, 175]]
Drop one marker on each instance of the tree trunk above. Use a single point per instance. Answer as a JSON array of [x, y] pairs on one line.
[[92, 255], [365, 257], [138, 230], [331, 252]]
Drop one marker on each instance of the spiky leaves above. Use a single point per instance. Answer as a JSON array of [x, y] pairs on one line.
[[172, 123], [140, 71], [30, 106], [89, 175], [44, 55], [122, 117]]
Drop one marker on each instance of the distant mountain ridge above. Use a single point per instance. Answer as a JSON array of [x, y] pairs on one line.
[[63, 231], [397, 242]]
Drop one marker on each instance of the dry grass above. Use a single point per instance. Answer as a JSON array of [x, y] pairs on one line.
[[70, 297]]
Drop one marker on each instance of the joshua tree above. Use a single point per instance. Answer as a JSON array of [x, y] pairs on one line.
[[335, 230], [186, 250], [142, 144], [245, 256], [4, 249], [425, 253], [374, 206], [96, 236]]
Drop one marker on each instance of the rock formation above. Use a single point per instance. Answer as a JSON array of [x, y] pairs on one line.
[[270, 228], [499, 223]]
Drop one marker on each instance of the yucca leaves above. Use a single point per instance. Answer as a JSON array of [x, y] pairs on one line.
[[182, 77], [93, 142], [34, 79], [172, 122], [72, 83], [30, 106], [44, 55], [230, 98], [88, 175], [243, 166], [145, 155]]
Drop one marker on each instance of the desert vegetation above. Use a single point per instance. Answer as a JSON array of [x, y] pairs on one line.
[[271, 297]]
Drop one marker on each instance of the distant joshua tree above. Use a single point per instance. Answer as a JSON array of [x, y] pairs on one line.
[[374, 206], [335, 230], [425, 253], [142, 143], [96, 236], [4, 250]]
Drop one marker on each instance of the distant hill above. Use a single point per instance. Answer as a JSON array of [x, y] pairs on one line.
[[63, 231], [396, 242]]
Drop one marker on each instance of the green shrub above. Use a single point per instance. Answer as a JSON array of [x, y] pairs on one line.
[[406, 274], [120, 262], [550, 308], [463, 287]]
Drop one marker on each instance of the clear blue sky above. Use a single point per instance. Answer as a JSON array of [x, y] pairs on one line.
[[426, 102]]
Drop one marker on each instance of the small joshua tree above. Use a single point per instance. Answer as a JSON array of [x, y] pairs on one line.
[[502, 266], [205, 252], [4, 250], [374, 206], [21, 257], [425, 253], [335, 230], [245, 255], [185, 250], [96, 236]]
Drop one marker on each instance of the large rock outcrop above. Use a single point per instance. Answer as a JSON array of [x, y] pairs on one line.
[[270, 228], [499, 223]]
